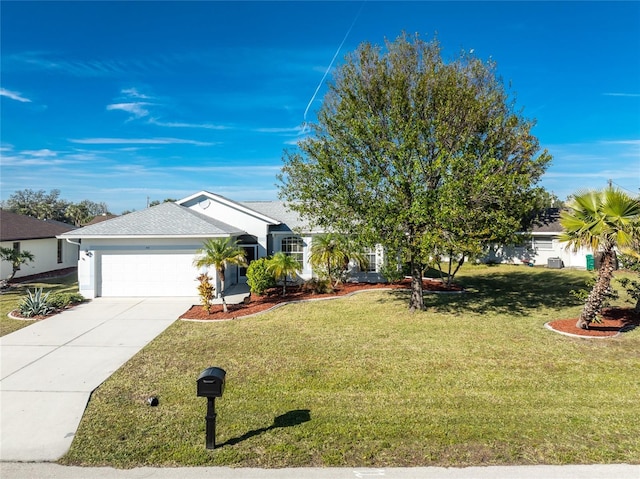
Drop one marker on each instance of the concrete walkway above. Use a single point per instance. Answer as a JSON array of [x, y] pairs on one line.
[[54, 471], [49, 369]]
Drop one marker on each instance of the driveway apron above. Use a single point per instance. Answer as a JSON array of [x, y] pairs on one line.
[[49, 369]]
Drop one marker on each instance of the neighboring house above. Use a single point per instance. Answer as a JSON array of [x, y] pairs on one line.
[[540, 246], [151, 252], [26, 233]]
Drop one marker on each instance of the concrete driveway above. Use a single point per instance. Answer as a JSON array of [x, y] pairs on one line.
[[49, 369]]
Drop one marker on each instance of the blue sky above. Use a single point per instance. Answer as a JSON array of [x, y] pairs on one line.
[[118, 102]]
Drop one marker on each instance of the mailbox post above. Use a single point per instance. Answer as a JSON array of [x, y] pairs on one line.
[[210, 384]]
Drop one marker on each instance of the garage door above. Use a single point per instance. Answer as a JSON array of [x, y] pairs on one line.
[[148, 275]]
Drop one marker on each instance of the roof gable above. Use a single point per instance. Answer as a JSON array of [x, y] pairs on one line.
[[164, 220], [15, 227], [204, 196]]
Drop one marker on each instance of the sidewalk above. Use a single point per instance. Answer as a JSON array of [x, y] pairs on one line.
[[54, 471]]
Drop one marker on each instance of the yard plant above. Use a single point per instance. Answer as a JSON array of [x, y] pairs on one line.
[[475, 379]]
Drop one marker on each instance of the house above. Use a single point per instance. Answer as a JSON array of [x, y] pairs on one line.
[[541, 246], [25, 233], [151, 252]]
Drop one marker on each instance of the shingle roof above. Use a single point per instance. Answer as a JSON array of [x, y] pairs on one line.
[[279, 210], [15, 227], [165, 219], [548, 221]]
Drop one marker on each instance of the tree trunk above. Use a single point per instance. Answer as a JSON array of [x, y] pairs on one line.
[[417, 298], [593, 304]]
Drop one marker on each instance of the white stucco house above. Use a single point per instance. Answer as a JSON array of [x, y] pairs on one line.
[[541, 247], [151, 252], [25, 233]]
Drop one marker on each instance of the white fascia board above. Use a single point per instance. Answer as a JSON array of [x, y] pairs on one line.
[[152, 236]]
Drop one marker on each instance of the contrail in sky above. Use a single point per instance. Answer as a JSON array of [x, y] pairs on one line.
[[304, 119]]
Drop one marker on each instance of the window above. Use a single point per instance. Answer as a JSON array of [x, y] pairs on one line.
[[292, 246], [543, 243], [370, 255], [60, 248]]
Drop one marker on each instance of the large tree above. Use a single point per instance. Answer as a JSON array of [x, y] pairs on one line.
[[219, 253], [415, 153], [604, 221]]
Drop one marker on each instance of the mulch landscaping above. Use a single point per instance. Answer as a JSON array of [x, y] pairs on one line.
[[274, 297], [614, 321]]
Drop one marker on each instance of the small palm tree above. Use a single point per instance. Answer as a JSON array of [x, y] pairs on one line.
[[602, 220], [331, 254], [219, 253], [281, 266], [16, 258]]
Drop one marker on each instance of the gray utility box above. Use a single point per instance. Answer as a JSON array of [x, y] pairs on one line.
[[554, 263], [211, 383]]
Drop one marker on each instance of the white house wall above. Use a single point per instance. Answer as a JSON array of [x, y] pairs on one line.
[[234, 216], [539, 252], [45, 252]]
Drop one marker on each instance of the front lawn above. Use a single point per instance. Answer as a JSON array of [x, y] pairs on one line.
[[360, 381], [10, 299]]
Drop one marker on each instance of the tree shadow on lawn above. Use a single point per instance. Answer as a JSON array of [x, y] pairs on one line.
[[288, 419], [513, 292]]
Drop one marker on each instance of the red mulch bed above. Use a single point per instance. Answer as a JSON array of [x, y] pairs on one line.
[[296, 293], [614, 321]]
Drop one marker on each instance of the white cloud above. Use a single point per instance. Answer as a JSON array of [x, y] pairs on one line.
[[14, 95], [137, 109], [134, 93], [139, 141], [44, 153], [176, 124]]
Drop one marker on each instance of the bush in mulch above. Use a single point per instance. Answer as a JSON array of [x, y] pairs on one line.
[[273, 297], [613, 322]]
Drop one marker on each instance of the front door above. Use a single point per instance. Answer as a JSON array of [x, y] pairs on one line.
[[250, 253]]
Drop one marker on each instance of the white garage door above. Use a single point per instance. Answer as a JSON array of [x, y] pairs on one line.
[[151, 274]]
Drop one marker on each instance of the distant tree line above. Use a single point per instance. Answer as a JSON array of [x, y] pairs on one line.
[[49, 206]]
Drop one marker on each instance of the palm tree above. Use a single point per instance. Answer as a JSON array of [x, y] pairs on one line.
[[283, 265], [16, 258], [219, 253], [331, 253], [602, 220]]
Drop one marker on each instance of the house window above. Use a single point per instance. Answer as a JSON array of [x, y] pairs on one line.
[[370, 255], [543, 243], [60, 251], [292, 246]]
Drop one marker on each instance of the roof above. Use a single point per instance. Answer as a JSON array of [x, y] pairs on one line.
[[548, 221], [280, 211], [203, 195], [101, 218], [15, 227], [164, 220]]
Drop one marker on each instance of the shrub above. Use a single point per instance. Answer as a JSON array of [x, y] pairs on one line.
[[629, 262], [206, 291], [62, 300], [259, 278], [391, 272], [35, 304], [318, 286]]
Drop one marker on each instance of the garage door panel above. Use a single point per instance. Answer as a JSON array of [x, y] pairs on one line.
[[150, 274]]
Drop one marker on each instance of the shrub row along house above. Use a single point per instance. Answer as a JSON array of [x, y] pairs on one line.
[[151, 252], [38, 237]]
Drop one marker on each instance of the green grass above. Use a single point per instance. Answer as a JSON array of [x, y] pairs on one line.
[[360, 381], [10, 299]]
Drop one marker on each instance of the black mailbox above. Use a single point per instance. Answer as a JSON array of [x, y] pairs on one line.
[[211, 382]]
